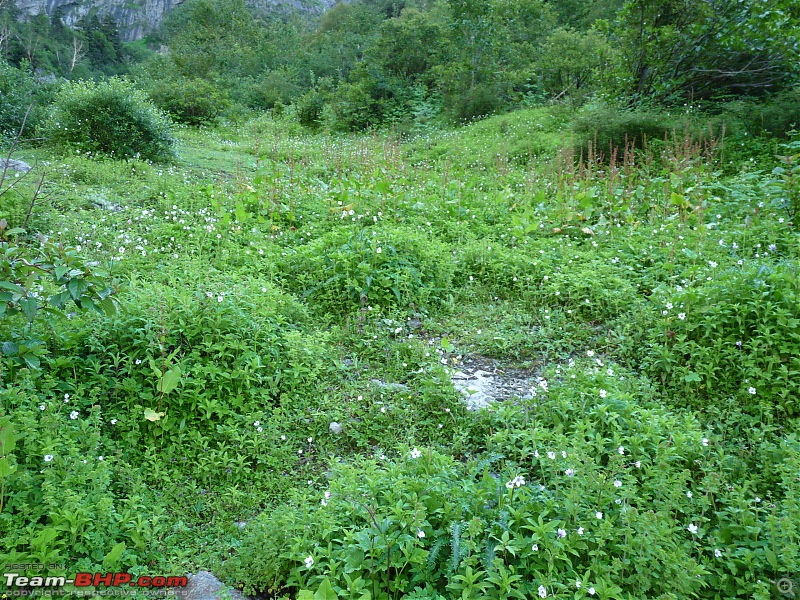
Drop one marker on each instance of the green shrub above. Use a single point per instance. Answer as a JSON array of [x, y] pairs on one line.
[[397, 267], [190, 101], [775, 116], [606, 129], [478, 101], [735, 339], [16, 92], [110, 117]]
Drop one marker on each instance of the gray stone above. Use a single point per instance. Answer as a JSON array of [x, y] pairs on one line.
[[389, 387], [204, 586], [482, 381], [335, 428], [14, 165], [137, 19]]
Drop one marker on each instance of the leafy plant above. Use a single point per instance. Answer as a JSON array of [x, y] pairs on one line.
[[111, 117]]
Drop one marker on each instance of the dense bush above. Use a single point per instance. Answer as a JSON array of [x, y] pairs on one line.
[[111, 117], [733, 340], [604, 130], [376, 266], [191, 101]]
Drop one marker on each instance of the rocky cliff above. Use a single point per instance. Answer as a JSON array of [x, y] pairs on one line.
[[137, 18]]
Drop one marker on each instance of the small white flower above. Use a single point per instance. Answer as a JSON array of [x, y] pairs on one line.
[[551, 455], [717, 552], [617, 483], [378, 251], [590, 353], [580, 530], [114, 421], [563, 454], [669, 305], [138, 361], [535, 547], [562, 533], [48, 457], [692, 528], [283, 438], [577, 584], [570, 472], [311, 439], [704, 442], [257, 423], [42, 407], [73, 415], [712, 264], [758, 500], [66, 397], [542, 592], [415, 453], [591, 591], [689, 494], [536, 453], [309, 562], [621, 449], [603, 393], [638, 464], [598, 515], [101, 458], [324, 502], [509, 485], [682, 316], [260, 429], [752, 390], [420, 533]]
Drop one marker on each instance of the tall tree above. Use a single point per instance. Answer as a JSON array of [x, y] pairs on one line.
[[674, 49]]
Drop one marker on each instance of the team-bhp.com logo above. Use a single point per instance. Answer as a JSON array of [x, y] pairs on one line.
[[83, 580]]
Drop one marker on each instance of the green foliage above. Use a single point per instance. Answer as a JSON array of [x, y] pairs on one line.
[[560, 490], [570, 61], [16, 96], [112, 118], [380, 267], [738, 342], [190, 101], [602, 130], [297, 306], [673, 50]]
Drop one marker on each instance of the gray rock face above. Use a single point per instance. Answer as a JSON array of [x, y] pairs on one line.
[[137, 19], [14, 165], [204, 586]]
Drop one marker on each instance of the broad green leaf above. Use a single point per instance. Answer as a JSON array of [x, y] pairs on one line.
[[114, 555], [5, 468], [10, 348], [170, 380], [7, 439], [7, 285], [326, 591], [32, 361], [29, 307]]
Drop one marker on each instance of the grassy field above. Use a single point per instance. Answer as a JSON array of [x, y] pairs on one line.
[[272, 400]]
